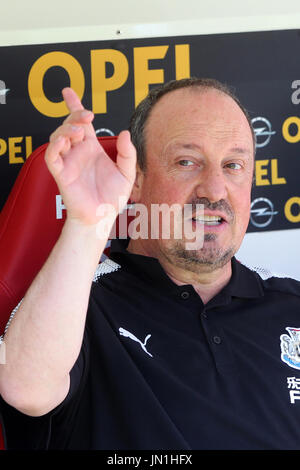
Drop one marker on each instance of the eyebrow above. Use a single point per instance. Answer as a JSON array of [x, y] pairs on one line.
[[234, 150], [240, 151], [179, 145]]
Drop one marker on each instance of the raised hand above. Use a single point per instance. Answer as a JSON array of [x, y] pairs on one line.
[[86, 176]]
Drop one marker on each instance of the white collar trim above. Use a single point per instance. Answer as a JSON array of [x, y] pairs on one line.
[[105, 267]]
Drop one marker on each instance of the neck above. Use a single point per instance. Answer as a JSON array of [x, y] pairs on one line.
[[206, 283]]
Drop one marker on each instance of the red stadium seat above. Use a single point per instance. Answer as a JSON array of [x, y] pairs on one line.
[[30, 224], [2, 446]]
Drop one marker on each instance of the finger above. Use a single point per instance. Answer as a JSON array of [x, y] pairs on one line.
[[80, 117], [74, 133], [72, 100], [126, 158], [53, 154], [77, 111]]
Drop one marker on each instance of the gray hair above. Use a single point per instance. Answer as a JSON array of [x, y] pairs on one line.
[[141, 114]]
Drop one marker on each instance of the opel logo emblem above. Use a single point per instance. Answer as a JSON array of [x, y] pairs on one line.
[[263, 131], [262, 212]]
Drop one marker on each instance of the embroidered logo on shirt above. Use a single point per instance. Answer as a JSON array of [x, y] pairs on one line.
[[290, 347], [127, 334]]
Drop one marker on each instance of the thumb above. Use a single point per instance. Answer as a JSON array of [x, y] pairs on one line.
[[126, 158]]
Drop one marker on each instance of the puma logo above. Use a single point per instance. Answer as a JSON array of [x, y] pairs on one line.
[[127, 334]]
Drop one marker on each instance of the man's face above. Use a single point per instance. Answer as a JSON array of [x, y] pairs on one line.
[[199, 150]]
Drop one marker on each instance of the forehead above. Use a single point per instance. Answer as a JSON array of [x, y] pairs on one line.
[[192, 115]]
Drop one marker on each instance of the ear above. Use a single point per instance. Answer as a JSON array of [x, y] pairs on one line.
[[137, 185]]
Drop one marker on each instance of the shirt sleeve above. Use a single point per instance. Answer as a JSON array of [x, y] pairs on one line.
[[23, 432]]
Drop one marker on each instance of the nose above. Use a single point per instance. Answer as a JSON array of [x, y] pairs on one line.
[[212, 185]]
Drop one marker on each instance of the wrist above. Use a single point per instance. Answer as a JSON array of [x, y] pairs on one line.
[[97, 232]]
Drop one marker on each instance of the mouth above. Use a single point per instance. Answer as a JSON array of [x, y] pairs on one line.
[[209, 220]]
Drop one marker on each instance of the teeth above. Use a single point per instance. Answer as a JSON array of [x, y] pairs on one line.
[[208, 219]]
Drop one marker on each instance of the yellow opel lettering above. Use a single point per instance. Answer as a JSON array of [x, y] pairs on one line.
[[3, 147], [143, 76], [102, 84], [274, 173], [288, 209], [36, 77], [28, 145], [182, 61], [293, 139], [14, 148], [261, 172]]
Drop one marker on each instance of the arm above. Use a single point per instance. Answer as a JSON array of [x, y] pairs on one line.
[[45, 335]]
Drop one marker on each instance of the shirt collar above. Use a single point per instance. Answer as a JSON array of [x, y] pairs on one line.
[[243, 283]]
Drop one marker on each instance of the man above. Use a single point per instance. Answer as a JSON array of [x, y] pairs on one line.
[[165, 347]]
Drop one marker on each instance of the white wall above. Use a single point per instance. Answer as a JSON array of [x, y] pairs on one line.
[[277, 251], [36, 22]]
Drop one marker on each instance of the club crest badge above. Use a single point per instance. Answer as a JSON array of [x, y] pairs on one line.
[[290, 347]]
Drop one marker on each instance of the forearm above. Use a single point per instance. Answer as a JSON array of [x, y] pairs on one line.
[[44, 338]]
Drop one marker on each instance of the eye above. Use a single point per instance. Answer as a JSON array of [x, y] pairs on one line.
[[234, 166], [185, 162]]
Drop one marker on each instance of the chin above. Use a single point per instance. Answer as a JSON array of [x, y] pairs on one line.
[[207, 259]]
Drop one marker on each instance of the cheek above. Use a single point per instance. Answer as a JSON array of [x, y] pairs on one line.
[[241, 207], [158, 190]]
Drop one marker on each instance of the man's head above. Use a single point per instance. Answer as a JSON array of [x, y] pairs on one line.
[[142, 112], [195, 145]]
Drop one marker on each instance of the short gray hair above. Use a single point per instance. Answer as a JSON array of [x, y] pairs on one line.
[[141, 114]]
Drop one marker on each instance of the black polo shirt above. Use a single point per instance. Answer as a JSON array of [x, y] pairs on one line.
[[160, 370]]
